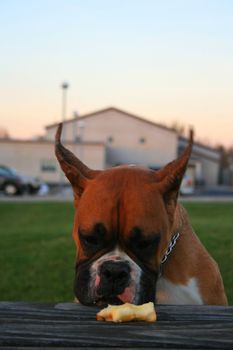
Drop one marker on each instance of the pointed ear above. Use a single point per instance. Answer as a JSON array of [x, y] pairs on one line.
[[76, 172], [169, 178]]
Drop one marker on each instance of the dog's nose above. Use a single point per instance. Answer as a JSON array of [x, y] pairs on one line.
[[114, 278], [114, 272]]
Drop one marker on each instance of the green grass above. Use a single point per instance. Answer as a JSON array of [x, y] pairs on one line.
[[213, 223], [37, 254]]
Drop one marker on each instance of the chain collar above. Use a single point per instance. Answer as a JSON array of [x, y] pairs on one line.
[[169, 250]]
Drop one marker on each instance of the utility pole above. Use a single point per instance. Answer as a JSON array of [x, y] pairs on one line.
[[64, 87]]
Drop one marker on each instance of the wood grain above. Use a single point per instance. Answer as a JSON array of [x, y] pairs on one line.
[[70, 326]]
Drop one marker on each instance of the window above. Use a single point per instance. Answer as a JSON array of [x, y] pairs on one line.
[[48, 165], [78, 139], [110, 139], [142, 140]]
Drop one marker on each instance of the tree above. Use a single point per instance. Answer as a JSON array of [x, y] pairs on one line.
[[178, 127], [4, 133]]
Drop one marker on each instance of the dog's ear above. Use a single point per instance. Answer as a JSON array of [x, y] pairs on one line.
[[169, 178], [76, 172]]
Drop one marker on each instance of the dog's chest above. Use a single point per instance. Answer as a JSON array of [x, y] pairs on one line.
[[170, 293]]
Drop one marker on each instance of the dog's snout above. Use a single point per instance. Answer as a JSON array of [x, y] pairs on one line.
[[115, 271]]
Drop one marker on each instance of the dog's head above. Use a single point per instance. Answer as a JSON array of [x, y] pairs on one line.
[[124, 220]]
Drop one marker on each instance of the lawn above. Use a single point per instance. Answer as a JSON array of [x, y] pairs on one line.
[[37, 254]]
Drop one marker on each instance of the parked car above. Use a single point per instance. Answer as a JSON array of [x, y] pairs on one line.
[[13, 183]]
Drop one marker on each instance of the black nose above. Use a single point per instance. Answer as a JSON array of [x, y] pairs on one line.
[[115, 271], [114, 277]]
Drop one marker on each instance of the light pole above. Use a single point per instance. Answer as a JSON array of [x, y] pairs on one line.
[[64, 87]]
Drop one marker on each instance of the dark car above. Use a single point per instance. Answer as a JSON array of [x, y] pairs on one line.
[[16, 183], [11, 184]]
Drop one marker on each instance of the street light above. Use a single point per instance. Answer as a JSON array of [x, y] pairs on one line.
[[64, 87]]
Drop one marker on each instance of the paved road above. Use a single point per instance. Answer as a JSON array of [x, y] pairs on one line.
[[69, 198], [26, 198]]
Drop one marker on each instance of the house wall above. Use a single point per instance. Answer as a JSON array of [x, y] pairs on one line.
[[122, 135], [108, 138], [36, 158], [210, 172], [208, 161]]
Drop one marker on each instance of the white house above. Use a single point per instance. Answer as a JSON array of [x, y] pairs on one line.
[[106, 138], [128, 138]]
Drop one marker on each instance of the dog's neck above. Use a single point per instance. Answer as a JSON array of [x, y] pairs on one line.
[[182, 255], [169, 250]]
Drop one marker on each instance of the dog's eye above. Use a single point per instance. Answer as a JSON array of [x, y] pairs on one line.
[[91, 241], [141, 244], [94, 239], [144, 244], [147, 244]]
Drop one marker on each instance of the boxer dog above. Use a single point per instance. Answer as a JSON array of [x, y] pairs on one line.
[[134, 240]]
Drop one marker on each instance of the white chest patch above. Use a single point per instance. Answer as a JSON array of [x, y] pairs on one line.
[[117, 255], [170, 293]]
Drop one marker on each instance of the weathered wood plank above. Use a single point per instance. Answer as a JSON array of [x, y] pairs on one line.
[[71, 325], [77, 348]]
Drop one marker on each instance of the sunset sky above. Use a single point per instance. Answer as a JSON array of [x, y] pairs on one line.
[[167, 61]]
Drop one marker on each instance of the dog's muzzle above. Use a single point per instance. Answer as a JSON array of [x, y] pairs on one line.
[[112, 280], [115, 279]]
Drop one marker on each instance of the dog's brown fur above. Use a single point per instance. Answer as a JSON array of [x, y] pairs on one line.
[[124, 197]]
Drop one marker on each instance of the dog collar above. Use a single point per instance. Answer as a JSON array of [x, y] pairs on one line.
[[169, 250]]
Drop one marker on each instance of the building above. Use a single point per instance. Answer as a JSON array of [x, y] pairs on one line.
[[36, 157], [107, 138], [127, 138], [205, 162]]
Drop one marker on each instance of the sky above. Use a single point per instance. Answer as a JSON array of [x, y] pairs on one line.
[[167, 61]]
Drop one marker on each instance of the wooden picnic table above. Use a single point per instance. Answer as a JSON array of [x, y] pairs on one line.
[[25, 325]]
